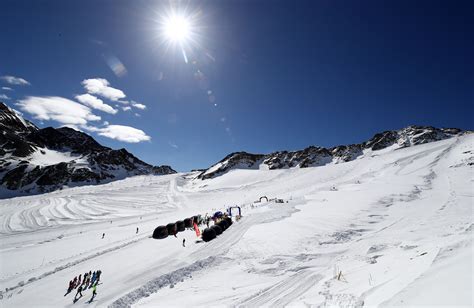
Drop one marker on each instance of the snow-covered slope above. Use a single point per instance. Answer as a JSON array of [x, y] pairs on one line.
[[34, 160], [392, 227], [318, 156]]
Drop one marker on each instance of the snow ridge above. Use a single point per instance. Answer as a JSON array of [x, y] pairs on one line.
[[319, 156]]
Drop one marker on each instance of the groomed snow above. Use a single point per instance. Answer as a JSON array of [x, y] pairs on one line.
[[394, 226]]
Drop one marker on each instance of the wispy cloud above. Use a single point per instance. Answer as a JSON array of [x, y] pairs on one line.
[[3, 96], [95, 103], [126, 108], [124, 133], [14, 80], [7, 89], [173, 145], [57, 108], [138, 105], [100, 86]]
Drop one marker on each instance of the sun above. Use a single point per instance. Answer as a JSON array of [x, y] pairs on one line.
[[180, 30], [177, 28]]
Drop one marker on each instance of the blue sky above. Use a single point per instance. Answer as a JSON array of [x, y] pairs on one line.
[[260, 76]]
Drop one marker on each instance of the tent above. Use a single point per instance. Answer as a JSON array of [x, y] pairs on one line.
[[217, 229], [217, 214], [172, 229], [188, 222], [197, 219], [180, 226], [208, 234], [160, 232], [223, 224]]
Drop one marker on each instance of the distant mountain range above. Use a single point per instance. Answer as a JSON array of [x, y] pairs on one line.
[[318, 156], [34, 160]]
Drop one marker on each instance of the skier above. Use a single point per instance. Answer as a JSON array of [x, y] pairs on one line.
[[94, 276], [79, 291], [184, 241], [79, 280], [94, 293], [99, 272], [137, 230], [71, 286]]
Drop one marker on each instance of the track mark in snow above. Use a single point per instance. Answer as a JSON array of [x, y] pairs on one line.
[[67, 265], [283, 292], [169, 279]]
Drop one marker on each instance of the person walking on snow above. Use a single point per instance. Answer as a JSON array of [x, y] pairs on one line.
[[99, 272], [137, 230], [103, 235], [94, 291], [79, 291], [71, 286], [94, 276], [184, 241]]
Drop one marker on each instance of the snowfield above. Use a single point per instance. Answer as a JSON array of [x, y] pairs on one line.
[[391, 228]]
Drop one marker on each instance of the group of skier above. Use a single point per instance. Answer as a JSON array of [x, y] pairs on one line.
[[90, 280]]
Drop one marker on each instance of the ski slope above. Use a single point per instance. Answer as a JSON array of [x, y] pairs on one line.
[[393, 227]]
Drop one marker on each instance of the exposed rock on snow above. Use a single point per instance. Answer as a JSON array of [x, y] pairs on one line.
[[34, 160], [317, 156]]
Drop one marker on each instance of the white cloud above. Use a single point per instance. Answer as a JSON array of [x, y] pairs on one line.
[[75, 127], [123, 102], [7, 89], [57, 108], [173, 145], [100, 86], [138, 105], [127, 108], [106, 123], [137, 115], [3, 96], [15, 80], [124, 133], [95, 103]]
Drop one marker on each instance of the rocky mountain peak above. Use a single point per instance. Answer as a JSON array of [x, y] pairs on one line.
[[34, 160], [314, 156]]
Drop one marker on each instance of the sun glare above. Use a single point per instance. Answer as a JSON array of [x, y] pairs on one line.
[[177, 28]]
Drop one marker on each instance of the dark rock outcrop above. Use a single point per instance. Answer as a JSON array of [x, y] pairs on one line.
[[88, 161], [317, 156]]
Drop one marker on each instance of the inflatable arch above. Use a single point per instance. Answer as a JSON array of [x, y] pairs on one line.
[[229, 210]]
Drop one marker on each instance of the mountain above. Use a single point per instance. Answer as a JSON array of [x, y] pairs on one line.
[[34, 160], [392, 228], [318, 156]]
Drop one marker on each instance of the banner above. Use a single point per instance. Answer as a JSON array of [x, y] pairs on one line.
[[198, 233]]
